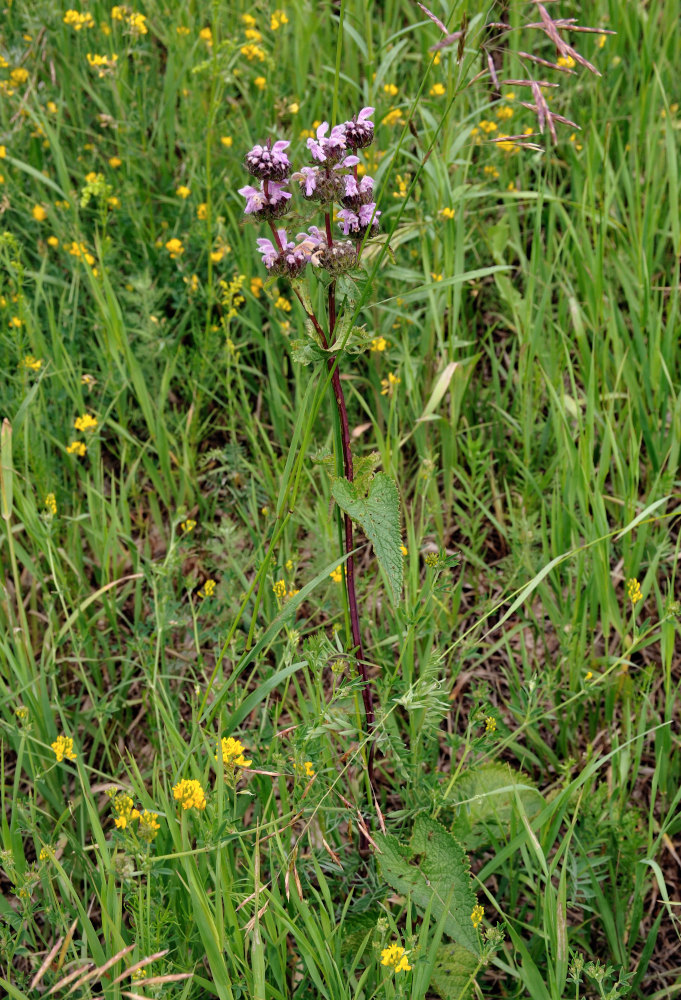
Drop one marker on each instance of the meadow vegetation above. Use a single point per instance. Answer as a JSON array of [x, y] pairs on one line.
[[193, 804]]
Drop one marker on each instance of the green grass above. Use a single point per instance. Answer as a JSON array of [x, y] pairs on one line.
[[534, 436]]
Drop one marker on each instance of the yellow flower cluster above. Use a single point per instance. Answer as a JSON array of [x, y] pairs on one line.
[[490, 724], [277, 19], [103, 64], [389, 384], [230, 292], [148, 826], [337, 574], [232, 752], [76, 448], [566, 62], [307, 768], [38, 213], [379, 344], [253, 52], [393, 117], [136, 22], [188, 525], [51, 504], [279, 589], [477, 915], [283, 303], [437, 90], [78, 21], [123, 806], [174, 248], [63, 748], [396, 958], [183, 192], [85, 423], [81, 251], [402, 186], [634, 591], [35, 364], [208, 588], [190, 794]]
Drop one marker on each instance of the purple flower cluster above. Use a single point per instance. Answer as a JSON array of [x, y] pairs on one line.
[[332, 177]]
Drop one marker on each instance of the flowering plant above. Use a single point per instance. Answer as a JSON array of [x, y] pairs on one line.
[[332, 179]]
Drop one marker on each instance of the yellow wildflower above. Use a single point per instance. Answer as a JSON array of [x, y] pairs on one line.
[[490, 724], [379, 344], [46, 854], [115, 162], [277, 19], [206, 35], [256, 286], [53, 242], [15, 322], [232, 753], [63, 748], [337, 574], [260, 82], [78, 21], [404, 550], [226, 140], [148, 827], [437, 90], [182, 29], [208, 588], [38, 213], [389, 384], [477, 915], [21, 713], [137, 24], [393, 117], [202, 211], [103, 64], [253, 35], [283, 303], [51, 504], [85, 423], [634, 591], [396, 958], [174, 248], [309, 770], [279, 589], [76, 448], [188, 525], [248, 20], [252, 52], [3, 152], [183, 192], [491, 172], [35, 364], [566, 62], [190, 794], [123, 806], [18, 76], [390, 89], [447, 212], [113, 202], [504, 112], [601, 41]]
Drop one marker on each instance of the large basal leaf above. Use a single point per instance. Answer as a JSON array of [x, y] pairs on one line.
[[454, 967], [433, 869], [378, 514], [487, 798]]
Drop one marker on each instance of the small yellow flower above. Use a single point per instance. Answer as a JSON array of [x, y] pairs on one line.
[[490, 724], [148, 827], [182, 29], [477, 915], [252, 52], [115, 162], [206, 35], [389, 384], [76, 448], [15, 322], [277, 19], [19, 76], [491, 172], [137, 24], [183, 192], [566, 62], [260, 82], [188, 525], [634, 591], [436, 275], [396, 958], [588, 675], [124, 809], [217, 255], [253, 35], [113, 202], [202, 211], [38, 213], [256, 286], [79, 21], [279, 589], [21, 713], [447, 213], [379, 344], [174, 248], [393, 117], [35, 364], [390, 89], [51, 504], [226, 140], [404, 550], [190, 794], [3, 152], [53, 242], [437, 90], [337, 574], [208, 588], [232, 753], [309, 770], [283, 303], [249, 20], [85, 423], [46, 854], [63, 748], [504, 112], [294, 108], [601, 41]]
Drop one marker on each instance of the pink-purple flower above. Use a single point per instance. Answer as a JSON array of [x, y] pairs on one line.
[[329, 148], [269, 200], [359, 132], [269, 162]]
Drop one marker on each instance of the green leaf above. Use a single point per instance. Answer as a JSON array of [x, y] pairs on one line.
[[433, 870], [378, 514], [306, 352], [453, 972], [485, 802]]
